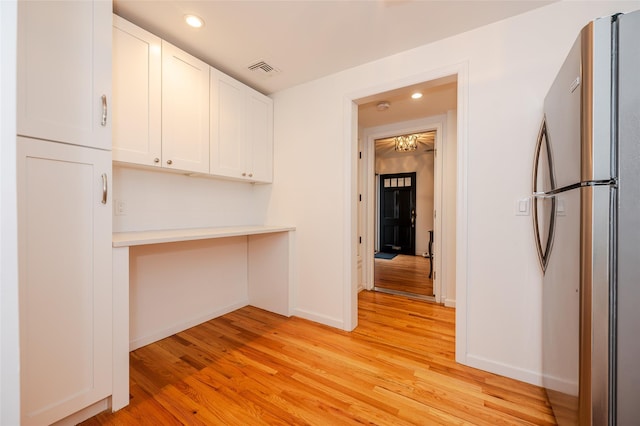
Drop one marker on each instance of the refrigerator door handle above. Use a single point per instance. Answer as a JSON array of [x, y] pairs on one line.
[[549, 194], [543, 150], [544, 253], [543, 147], [542, 195]]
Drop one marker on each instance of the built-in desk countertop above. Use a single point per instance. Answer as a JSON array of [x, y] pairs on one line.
[[258, 271], [127, 239]]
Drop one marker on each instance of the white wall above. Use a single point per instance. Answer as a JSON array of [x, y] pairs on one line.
[[176, 286], [511, 65], [9, 344], [165, 200], [179, 285]]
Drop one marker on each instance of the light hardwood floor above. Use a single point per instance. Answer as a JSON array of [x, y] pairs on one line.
[[251, 367], [405, 273]]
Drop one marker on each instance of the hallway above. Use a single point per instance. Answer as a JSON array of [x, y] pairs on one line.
[[409, 274]]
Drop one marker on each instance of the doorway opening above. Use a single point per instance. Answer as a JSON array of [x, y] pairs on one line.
[[403, 263], [384, 116], [358, 215]]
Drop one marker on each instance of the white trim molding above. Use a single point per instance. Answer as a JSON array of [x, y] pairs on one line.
[[9, 325]]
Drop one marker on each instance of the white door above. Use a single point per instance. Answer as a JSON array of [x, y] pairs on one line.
[[228, 146], [64, 71], [137, 72], [64, 243], [185, 111], [259, 137]]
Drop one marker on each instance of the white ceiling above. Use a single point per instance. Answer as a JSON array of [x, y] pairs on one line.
[[438, 97], [307, 39]]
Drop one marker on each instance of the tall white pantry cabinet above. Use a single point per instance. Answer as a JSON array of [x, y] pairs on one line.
[[64, 207]]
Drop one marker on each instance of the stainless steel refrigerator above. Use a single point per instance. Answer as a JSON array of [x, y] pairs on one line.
[[586, 214]]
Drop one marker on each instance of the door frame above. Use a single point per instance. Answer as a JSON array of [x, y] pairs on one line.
[[434, 123]]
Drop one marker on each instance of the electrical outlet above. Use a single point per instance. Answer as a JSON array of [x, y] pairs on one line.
[[120, 208]]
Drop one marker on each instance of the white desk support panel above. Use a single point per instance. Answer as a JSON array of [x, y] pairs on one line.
[[268, 279]]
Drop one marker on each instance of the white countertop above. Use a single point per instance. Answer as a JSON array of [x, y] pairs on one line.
[[126, 239]]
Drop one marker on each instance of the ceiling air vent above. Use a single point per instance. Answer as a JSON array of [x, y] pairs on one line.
[[263, 68]]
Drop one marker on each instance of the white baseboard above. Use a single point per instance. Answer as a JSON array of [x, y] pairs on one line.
[[183, 325], [322, 319], [528, 376], [450, 303], [562, 385], [84, 414]]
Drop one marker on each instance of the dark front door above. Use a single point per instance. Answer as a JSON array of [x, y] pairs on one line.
[[398, 213]]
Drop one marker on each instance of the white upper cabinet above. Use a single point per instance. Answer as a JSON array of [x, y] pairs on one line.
[[137, 73], [64, 71], [228, 147], [174, 111], [161, 102], [185, 111], [241, 130], [260, 136]]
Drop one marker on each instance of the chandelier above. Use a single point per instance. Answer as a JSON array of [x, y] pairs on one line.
[[406, 143]]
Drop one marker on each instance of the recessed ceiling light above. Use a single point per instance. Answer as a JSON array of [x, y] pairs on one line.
[[194, 21], [383, 106], [416, 95]]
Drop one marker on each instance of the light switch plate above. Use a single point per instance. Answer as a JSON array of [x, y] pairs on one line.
[[523, 206], [560, 207]]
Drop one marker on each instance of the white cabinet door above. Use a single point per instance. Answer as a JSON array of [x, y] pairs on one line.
[[137, 71], [64, 243], [227, 135], [241, 130], [260, 136], [64, 71], [185, 111]]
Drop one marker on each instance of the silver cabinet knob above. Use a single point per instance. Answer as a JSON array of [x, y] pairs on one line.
[[250, 174], [244, 174], [156, 160], [169, 162]]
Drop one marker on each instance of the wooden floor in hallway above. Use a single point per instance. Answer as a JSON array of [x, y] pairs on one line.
[[252, 367], [409, 274]]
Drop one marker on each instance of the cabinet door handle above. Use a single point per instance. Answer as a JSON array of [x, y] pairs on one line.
[[104, 188], [104, 111], [156, 160], [250, 174], [169, 162]]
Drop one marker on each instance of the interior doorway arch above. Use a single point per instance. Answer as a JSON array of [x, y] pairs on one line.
[[437, 124], [351, 196]]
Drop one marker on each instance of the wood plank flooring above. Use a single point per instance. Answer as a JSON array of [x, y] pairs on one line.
[[409, 274], [252, 367]]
